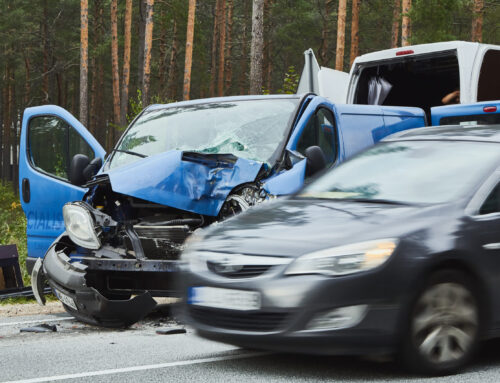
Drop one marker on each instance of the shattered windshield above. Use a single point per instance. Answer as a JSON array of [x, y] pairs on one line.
[[251, 129]]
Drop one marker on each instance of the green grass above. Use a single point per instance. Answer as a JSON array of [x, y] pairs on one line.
[[13, 226], [23, 300]]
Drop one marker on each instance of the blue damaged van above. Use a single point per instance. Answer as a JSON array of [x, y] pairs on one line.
[[106, 231]]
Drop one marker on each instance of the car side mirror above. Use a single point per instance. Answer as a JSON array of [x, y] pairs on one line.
[[92, 168], [78, 164], [316, 160]]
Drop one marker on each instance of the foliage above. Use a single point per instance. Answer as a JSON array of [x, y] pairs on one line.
[[13, 226], [136, 106], [290, 82]]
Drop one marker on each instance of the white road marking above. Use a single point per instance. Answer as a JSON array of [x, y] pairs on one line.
[[140, 368], [35, 321]]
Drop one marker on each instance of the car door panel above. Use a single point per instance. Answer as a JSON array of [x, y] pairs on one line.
[[48, 133]]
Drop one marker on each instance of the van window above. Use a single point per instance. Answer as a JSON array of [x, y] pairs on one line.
[[320, 131], [421, 81], [476, 119], [492, 203], [488, 87]]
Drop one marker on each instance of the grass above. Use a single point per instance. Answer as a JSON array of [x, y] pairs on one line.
[[13, 226]]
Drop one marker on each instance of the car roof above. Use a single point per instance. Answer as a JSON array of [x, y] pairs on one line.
[[484, 133], [223, 99]]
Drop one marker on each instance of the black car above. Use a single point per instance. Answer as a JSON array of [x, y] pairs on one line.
[[395, 251]]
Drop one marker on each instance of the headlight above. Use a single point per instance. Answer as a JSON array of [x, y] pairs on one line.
[[344, 259], [80, 225]]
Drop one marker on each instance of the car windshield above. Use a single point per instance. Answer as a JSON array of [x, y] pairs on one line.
[[252, 129], [420, 172]]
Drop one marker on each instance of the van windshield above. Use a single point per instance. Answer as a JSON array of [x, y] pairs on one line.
[[251, 129], [420, 81]]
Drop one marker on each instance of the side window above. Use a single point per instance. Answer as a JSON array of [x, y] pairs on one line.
[[492, 203], [488, 87], [52, 144], [320, 131]]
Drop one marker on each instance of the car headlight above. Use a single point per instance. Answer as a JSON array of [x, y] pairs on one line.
[[344, 259], [80, 225]]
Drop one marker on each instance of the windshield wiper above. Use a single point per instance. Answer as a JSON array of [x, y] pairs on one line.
[[129, 152]]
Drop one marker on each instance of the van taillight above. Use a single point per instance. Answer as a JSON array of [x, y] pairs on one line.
[[402, 53], [489, 109]]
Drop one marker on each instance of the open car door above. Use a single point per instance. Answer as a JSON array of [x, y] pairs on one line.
[[50, 137], [325, 82]]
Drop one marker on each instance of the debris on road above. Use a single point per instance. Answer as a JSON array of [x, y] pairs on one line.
[[171, 331], [44, 327]]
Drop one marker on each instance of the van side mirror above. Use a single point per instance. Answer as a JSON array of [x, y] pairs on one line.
[[82, 169], [316, 160], [78, 163]]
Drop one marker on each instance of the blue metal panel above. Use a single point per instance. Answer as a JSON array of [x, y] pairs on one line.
[[397, 119], [288, 181], [438, 112], [169, 180], [48, 194]]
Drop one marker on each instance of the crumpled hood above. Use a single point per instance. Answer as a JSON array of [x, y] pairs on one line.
[[189, 181]]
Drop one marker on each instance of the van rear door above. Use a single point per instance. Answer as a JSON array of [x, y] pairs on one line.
[[481, 113], [329, 83]]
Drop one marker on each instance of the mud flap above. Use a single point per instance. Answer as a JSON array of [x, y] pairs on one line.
[[38, 282]]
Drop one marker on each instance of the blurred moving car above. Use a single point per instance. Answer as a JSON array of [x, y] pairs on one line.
[[397, 249], [177, 168]]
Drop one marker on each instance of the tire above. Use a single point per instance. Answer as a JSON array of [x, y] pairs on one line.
[[442, 329]]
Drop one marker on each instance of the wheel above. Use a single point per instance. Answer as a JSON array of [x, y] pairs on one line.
[[442, 330]]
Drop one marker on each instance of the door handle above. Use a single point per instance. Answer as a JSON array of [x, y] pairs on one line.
[[26, 192], [492, 246]]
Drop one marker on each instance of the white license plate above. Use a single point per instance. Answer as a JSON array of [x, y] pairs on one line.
[[224, 298], [67, 300]]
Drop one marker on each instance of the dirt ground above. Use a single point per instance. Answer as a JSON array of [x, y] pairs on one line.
[[20, 309]]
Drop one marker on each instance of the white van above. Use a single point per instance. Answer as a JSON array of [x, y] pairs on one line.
[[418, 75]]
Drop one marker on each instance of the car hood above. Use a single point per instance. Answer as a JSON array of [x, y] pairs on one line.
[[295, 227], [195, 182]]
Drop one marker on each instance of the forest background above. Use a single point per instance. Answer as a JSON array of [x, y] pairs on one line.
[[104, 60]]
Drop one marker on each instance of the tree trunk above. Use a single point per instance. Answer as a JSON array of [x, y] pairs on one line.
[[339, 55], [148, 42], [477, 21], [115, 68], [189, 50], [256, 50], [95, 89], [324, 46], [215, 34], [405, 24], [222, 46], [45, 38], [172, 66], [27, 83], [244, 50], [7, 123], [396, 14], [126, 62], [229, 45], [355, 30], [142, 34], [84, 61], [268, 59]]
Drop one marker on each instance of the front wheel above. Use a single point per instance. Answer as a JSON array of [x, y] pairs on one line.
[[443, 328]]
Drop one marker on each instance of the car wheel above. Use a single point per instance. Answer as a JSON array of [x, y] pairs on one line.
[[443, 327]]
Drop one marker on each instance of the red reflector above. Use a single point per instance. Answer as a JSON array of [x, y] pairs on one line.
[[402, 53], [489, 109]]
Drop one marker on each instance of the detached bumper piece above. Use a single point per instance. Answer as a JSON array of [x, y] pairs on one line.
[[68, 280]]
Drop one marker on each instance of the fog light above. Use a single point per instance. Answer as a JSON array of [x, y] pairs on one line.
[[337, 319]]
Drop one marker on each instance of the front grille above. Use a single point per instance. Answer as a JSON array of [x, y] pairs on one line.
[[162, 242], [254, 322], [246, 271]]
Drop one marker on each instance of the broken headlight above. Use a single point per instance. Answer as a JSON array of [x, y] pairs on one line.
[[80, 225]]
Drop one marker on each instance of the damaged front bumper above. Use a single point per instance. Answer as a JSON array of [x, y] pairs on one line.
[[122, 302]]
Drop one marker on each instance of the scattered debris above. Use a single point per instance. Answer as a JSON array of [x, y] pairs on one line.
[[44, 327], [171, 331]]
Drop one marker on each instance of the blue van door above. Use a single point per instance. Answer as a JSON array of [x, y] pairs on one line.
[[50, 137]]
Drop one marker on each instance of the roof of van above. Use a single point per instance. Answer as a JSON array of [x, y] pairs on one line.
[[419, 49], [489, 133]]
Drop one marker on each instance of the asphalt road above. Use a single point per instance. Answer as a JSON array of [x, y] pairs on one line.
[[78, 352]]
